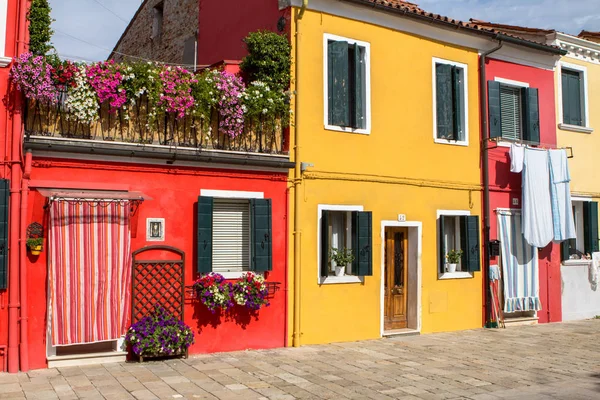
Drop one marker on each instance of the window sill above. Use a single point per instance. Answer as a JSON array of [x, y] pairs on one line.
[[574, 263], [5, 61], [347, 130], [329, 280], [575, 128], [235, 275], [452, 142], [455, 275]]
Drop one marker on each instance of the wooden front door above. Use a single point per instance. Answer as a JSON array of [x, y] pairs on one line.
[[395, 276]]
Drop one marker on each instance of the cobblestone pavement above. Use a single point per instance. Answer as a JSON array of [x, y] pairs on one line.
[[531, 362]]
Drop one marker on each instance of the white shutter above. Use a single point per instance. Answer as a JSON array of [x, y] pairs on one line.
[[231, 235], [510, 111]]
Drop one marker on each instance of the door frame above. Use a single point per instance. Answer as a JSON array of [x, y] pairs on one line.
[[415, 231]]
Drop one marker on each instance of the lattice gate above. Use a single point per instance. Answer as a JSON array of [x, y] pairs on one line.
[[157, 282]]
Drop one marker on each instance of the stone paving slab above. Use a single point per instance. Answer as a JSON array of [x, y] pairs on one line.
[[552, 361]]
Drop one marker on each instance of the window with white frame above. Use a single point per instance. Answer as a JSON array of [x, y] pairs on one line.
[[231, 235], [346, 84], [585, 214], [459, 233], [450, 94], [339, 235], [573, 100]]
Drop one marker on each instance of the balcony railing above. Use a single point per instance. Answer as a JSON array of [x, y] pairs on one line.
[[133, 126]]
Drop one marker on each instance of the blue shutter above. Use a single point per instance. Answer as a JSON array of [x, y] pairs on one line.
[[359, 90], [469, 232], [531, 111], [444, 97], [261, 235], [339, 93], [204, 234], [4, 198], [590, 227], [362, 243], [325, 243], [494, 109]]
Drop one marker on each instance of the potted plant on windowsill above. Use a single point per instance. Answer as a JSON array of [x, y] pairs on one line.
[[341, 258], [35, 245], [453, 257]]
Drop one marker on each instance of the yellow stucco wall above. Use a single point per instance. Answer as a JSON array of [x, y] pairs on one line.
[[585, 165], [396, 169]]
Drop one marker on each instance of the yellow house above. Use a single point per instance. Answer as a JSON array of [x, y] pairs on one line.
[[388, 155]]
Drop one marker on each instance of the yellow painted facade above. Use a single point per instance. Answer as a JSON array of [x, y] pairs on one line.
[[396, 169]]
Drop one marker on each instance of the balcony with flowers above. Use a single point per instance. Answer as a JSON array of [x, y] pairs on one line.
[[158, 111]]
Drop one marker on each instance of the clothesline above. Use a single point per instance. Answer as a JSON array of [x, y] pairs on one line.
[[539, 145]]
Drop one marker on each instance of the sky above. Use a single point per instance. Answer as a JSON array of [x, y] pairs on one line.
[[89, 29]]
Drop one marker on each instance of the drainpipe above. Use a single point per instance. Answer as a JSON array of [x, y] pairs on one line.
[[486, 178], [297, 182], [23, 349], [15, 197]]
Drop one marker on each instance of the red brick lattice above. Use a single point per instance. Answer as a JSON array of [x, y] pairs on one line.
[[157, 282]]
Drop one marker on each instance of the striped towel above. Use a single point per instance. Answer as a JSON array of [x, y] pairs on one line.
[[520, 269]]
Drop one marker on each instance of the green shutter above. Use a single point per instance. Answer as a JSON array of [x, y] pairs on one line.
[[444, 109], [204, 236], [590, 226], [566, 92], [469, 233], [359, 93], [442, 250], [362, 243], [494, 109], [571, 98], [339, 94], [325, 243], [531, 113], [4, 198], [457, 95], [261, 235], [564, 250]]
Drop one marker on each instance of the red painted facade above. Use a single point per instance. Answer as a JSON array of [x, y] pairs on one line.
[[506, 186], [174, 192]]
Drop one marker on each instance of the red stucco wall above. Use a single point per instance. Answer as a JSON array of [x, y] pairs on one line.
[[506, 186], [174, 192], [224, 24]]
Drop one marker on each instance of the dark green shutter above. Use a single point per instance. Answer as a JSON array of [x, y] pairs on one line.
[[442, 250], [571, 98], [564, 250], [457, 103], [494, 109], [444, 109], [325, 243], [261, 235], [339, 111], [531, 111], [359, 76], [590, 226], [362, 243], [4, 198], [204, 236], [469, 232]]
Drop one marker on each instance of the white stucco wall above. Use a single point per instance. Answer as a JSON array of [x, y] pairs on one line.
[[579, 300]]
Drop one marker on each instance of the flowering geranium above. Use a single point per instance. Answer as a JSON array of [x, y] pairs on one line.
[[251, 291], [229, 103], [82, 102], [107, 80], [32, 75], [177, 91], [214, 292], [63, 75], [159, 333]]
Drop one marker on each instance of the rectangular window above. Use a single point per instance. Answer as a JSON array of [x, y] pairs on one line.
[[231, 235], [450, 101], [573, 109], [157, 20], [459, 233], [340, 236], [513, 112], [585, 214], [347, 83]]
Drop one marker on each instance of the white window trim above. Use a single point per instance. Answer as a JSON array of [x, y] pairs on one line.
[[232, 194], [502, 142], [367, 46], [458, 274], [326, 280], [465, 105], [583, 71], [4, 61]]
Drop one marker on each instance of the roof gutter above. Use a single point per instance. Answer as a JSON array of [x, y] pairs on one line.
[[532, 45]]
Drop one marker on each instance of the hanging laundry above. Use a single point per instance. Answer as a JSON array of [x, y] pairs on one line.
[[538, 228], [517, 152], [562, 209]]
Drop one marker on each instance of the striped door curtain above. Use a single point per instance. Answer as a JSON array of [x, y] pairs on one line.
[[90, 271], [520, 269]]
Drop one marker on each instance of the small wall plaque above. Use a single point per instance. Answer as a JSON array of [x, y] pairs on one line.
[[402, 217], [155, 229]]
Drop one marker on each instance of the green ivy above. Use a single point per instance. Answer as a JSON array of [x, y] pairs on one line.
[[40, 32], [269, 59]]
